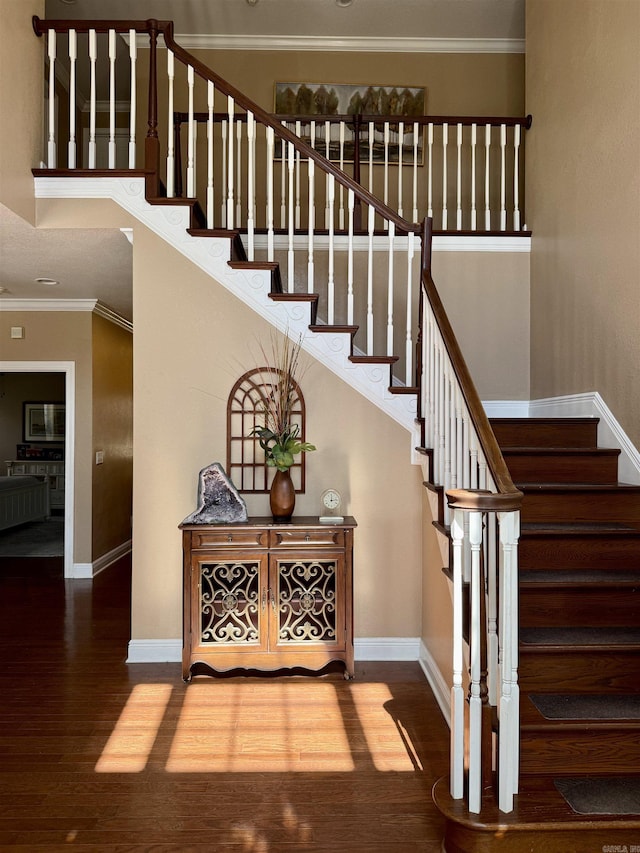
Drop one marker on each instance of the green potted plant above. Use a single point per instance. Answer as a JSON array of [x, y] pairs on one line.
[[279, 437]]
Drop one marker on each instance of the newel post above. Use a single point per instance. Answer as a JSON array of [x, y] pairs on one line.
[[151, 143]]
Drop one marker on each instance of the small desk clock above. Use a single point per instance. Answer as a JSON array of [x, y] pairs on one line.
[[331, 501]]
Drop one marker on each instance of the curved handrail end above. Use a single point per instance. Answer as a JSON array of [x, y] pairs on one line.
[[482, 500]]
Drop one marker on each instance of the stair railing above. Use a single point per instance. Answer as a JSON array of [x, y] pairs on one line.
[[464, 172], [483, 516], [483, 505], [367, 282]]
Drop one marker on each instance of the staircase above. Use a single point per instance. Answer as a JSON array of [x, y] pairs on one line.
[[579, 671]]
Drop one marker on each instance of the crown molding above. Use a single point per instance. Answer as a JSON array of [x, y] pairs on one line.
[[90, 305], [351, 44]]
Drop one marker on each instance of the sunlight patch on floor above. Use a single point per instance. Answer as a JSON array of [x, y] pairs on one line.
[[131, 741]]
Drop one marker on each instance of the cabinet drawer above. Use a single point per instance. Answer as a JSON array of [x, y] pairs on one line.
[[225, 538], [297, 536]]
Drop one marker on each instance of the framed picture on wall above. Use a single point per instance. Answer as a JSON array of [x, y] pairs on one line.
[[345, 100], [43, 421]]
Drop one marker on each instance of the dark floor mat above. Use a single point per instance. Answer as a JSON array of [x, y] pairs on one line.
[[601, 795], [561, 706]]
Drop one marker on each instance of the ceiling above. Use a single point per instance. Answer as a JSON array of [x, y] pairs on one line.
[[96, 264]]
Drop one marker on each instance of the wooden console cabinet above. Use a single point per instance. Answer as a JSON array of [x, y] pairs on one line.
[[260, 595]]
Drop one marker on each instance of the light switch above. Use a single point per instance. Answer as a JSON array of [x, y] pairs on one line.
[[17, 331], [99, 457]]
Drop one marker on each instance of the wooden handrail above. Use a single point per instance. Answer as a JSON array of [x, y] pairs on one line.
[[509, 497], [223, 86]]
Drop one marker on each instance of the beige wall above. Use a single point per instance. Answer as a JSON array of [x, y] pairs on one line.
[[21, 98], [112, 434], [62, 336], [192, 341], [486, 296], [583, 200], [437, 610]]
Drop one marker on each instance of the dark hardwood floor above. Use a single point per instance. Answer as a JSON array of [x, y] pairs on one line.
[[98, 755]]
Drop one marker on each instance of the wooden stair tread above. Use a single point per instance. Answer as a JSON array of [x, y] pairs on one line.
[[403, 389], [575, 578], [578, 708], [538, 803], [294, 297], [629, 488], [348, 330], [580, 638], [374, 359], [517, 450], [582, 528]]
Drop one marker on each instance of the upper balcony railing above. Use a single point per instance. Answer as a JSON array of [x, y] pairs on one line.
[[463, 172]]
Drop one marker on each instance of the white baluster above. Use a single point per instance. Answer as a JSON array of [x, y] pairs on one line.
[[270, 190], [283, 185], [133, 56], [516, 178], [466, 450], [509, 709], [210, 151], [409, 334], [385, 223], [238, 216], [251, 204], [330, 281], [223, 172], [445, 142], [112, 99], [474, 142], [312, 137], [456, 774], [371, 225], [73, 56], [475, 645], [230, 186], [430, 172], [51, 142], [430, 363], [327, 154], [503, 177], [459, 179], [298, 134], [416, 127], [473, 457], [341, 127], [351, 202], [191, 184], [487, 197], [491, 563], [311, 179], [437, 356], [400, 156], [291, 218], [392, 233], [171, 160], [93, 56], [372, 137]]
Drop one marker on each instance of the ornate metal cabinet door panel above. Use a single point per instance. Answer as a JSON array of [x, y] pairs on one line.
[[230, 602], [307, 600]]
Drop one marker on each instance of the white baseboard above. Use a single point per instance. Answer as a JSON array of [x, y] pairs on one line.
[[90, 570], [506, 408], [155, 651], [386, 648], [366, 648], [441, 690], [610, 433]]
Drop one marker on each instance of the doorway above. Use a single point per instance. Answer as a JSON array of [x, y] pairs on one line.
[[67, 371]]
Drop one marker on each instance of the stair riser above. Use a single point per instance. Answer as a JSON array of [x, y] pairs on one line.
[[547, 607], [569, 751], [532, 433], [599, 470], [591, 671], [578, 552], [560, 506]]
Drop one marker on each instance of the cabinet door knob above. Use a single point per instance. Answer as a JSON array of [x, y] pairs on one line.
[[230, 538], [307, 538]]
